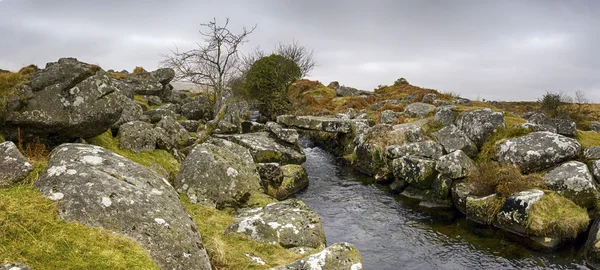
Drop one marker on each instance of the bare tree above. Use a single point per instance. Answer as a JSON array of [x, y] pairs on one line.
[[212, 64]]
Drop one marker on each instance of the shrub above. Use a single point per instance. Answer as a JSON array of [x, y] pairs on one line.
[[489, 178], [28, 70], [401, 81], [139, 70], [268, 79]]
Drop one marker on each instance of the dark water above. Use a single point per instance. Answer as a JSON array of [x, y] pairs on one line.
[[393, 233]]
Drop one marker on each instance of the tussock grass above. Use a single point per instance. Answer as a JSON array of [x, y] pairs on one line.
[[149, 159], [588, 138], [491, 178], [488, 149], [554, 214], [32, 233], [229, 252]]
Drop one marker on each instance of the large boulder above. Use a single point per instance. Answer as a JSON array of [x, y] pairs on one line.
[[288, 223], [131, 112], [98, 188], [156, 115], [415, 171], [595, 126], [155, 83], [66, 100], [596, 169], [478, 125], [455, 165], [592, 153], [346, 91], [418, 110], [538, 151], [388, 117], [539, 122], [200, 108], [190, 125], [445, 115], [287, 135], [370, 149], [574, 181], [427, 149], [265, 149], [218, 173], [138, 136], [453, 139], [174, 135], [14, 167], [514, 214], [251, 127], [280, 182], [317, 123], [335, 257]]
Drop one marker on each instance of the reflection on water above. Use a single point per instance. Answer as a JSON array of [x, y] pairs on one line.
[[392, 233]]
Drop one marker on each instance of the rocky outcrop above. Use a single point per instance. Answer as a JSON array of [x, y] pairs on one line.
[[156, 115], [414, 171], [455, 165], [539, 122], [595, 126], [346, 91], [335, 257], [316, 123], [174, 135], [153, 100], [574, 181], [265, 149], [453, 139], [131, 112], [138, 136], [592, 153], [251, 127], [418, 110], [155, 83], [218, 173], [538, 151], [286, 135], [592, 245], [98, 188], [445, 115], [514, 214], [66, 100], [200, 108], [388, 117], [596, 169], [280, 182], [14, 167], [288, 223], [478, 125], [190, 125], [427, 149]]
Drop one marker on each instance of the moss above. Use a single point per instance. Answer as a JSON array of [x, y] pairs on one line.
[[588, 138], [140, 99], [350, 157], [2, 138], [229, 252], [149, 159], [556, 215], [488, 150], [32, 233], [258, 199]]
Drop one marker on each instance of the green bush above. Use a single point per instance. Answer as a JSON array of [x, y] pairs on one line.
[[267, 81], [400, 81]]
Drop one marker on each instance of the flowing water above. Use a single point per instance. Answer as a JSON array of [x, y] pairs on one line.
[[394, 233]]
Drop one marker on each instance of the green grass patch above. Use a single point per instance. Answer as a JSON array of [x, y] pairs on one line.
[[512, 119], [488, 150], [588, 138], [554, 214], [491, 178], [32, 233], [229, 252], [149, 159]]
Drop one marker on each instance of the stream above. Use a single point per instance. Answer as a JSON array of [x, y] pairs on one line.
[[395, 233]]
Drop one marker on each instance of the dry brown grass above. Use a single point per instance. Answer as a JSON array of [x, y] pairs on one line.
[[311, 98], [400, 91], [489, 178], [35, 151], [139, 70]]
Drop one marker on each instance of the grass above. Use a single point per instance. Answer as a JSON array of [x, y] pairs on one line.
[[229, 252], [32, 233], [512, 119], [399, 91], [588, 138], [149, 159], [139, 70], [430, 127], [488, 149], [554, 214], [8, 87], [311, 97], [491, 178]]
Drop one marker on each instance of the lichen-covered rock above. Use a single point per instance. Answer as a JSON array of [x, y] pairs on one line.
[[418, 110], [251, 127], [455, 165], [460, 191], [157, 114], [339, 256], [412, 131], [270, 174], [68, 100], [289, 223], [429, 98], [415, 171], [218, 173], [574, 181], [441, 186], [370, 147], [592, 153], [427, 149], [153, 100], [453, 139], [98, 188], [596, 169], [294, 179], [176, 108], [592, 245], [478, 125], [287, 135], [138, 136], [538, 151], [317, 123], [14, 266], [477, 209], [388, 117], [131, 112], [514, 214], [539, 122], [175, 135], [265, 149], [445, 115], [198, 109], [462, 101], [190, 125], [14, 167], [595, 126]]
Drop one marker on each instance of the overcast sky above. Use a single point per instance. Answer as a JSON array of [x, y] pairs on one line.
[[497, 50]]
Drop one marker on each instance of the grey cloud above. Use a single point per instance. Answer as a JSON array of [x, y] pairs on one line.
[[507, 50]]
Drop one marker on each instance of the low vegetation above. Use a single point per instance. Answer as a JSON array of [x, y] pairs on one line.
[[158, 160], [488, 150], [9, 82], [401, 89], [491, 178], [588, 138], [556, 215], [229, 252]]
